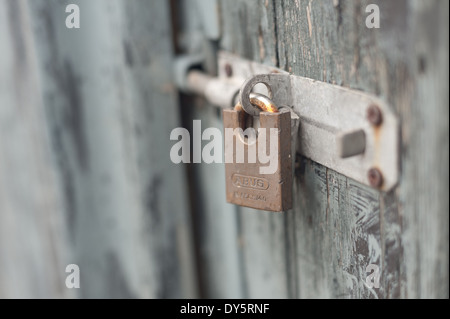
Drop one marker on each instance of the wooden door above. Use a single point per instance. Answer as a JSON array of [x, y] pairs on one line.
[[338, 227], [86, 176]]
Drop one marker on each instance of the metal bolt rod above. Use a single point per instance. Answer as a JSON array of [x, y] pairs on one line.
[[217, 91], [197, 82]]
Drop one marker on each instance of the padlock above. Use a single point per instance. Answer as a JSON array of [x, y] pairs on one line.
[[251, 182]]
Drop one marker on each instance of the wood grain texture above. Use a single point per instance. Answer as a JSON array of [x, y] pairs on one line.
[[249, 30], [33, 235], [219, 240], [110, 106], [86, 178], [338, 226]]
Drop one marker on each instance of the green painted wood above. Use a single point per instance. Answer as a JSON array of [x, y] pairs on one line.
[[338, 226], [33, 234], [219, 240], [85, 175], [110, 105], [248, 30], [217, 229]]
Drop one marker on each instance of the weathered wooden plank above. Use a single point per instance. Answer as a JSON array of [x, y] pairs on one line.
[[341, 226], [423, 195], [219, 242], [111, 106], [33, 236], [109, 101], [321, 41], [337, 234], [249, 30], [219, 246]]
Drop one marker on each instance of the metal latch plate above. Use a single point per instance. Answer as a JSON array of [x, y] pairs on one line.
[[327, 112]]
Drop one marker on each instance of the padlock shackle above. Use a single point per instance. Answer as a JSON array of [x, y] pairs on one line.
[[262, 102], [278, 86]]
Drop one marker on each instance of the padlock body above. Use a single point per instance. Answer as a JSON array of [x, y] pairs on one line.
[[245, 185]]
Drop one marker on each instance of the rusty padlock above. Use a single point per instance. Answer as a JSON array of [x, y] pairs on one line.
[[250, 181]]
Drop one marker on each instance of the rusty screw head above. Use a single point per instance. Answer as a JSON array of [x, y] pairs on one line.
[[375, 177], [374, 115], [228, 70]]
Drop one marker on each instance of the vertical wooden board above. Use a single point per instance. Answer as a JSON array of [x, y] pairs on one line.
[[359, 216], [328, 41], [111, 106], [313, 284], [249, 30], [264, 253], [34, 250], [219, 244], [343, 217], [425, 186]]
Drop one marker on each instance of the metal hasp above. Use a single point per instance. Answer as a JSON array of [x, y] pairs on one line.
[[351, 132]]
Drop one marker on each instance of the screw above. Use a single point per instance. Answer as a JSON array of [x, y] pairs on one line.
[[228, 70], [374, 115], [375, 177]]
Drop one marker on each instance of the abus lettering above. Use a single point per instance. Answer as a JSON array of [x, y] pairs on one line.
[[250, 182]]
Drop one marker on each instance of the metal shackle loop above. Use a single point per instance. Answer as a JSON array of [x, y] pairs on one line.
[[262, 102], [278, 85]]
